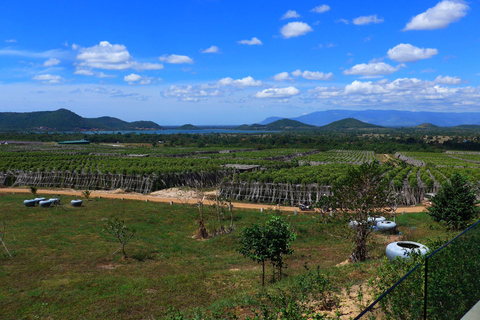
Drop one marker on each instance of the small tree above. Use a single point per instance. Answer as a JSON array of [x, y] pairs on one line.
[[455, 203], [280, 237], [86, 194], [271, 242], [121, 232], [253, 245], [361, 194], [34, 190]]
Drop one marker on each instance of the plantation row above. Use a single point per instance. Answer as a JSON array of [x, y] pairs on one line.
[[277, 166], [340, 156]]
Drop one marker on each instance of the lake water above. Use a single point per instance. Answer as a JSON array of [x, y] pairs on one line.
[[176, 131]]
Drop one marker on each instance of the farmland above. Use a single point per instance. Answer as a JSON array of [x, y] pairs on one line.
[[143, 168], [62, 257]]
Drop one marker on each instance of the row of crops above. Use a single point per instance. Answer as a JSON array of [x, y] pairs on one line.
[[286, 166]]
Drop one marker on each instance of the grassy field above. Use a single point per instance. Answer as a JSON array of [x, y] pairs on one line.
[[63, 268]]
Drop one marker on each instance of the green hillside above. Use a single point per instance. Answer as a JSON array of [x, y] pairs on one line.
[[279, 125], [66, 120], [349, 123]]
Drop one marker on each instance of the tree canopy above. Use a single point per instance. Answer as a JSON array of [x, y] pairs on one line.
[[361, 194], [455, 203]]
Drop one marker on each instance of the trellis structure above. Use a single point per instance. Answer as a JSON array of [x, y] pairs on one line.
[[291, 194]]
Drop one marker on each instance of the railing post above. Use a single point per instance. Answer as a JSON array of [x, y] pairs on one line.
[[425, 291]]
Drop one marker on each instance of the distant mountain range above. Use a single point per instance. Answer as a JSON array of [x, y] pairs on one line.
[[66, 120], [387, 118]]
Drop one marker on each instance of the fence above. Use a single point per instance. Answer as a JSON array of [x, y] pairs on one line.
[[263, 192], [446, 286]]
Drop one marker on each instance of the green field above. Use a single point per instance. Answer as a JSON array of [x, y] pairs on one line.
[[62, 264]]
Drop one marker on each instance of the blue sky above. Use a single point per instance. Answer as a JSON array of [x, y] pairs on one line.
[[233, 62]]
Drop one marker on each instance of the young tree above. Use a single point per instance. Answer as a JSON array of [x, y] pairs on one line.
[[361, 194], [34, 190], [121, 232], [254, 245], [455, 203], [279, 238], [271, 242]]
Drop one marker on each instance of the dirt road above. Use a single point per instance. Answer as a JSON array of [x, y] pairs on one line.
[[173, 200]]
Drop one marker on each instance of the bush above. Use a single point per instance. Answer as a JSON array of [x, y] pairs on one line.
[[455, 203]]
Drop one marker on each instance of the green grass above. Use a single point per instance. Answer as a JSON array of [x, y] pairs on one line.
[[62, 264]]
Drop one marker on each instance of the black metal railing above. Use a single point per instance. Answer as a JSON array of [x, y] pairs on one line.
[[445, 286]]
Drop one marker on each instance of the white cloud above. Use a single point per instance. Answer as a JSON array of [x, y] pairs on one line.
[[343, 21], [405, 52], [252, 42], [312, 75], [245, 82], [49, 78], [277, 93], [51, 62], [321, 9], [212, 49], [84, 72], [37, 55], [358, 87], [402, 93], [367, 20], [110, 57], [10, 40], [439, 17], [137, 79], [374, 69], [448, 80], [290, 14], [176, 59], [295, 29], [132, 77], [189, 93], [282, 76]]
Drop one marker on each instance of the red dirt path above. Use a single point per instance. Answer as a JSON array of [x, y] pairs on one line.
[[129, 196]]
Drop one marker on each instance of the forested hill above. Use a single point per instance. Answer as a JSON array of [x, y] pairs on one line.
[[66, 120], [279, 125], [349, 123]]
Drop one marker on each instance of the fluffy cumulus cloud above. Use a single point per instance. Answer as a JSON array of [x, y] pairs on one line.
[[313, 75], [367, 20], [448, 80], [137, 79], [358, 87], [109, 57], [406, 93], [49, 78], [295, 29], [176, 59], [277, 93], [372, 69], [252, 42], [439, 17], [51, 62], [290, 14], [282, 76], [245, 82], [405, 52], [321, 9], [132, 77], [212, 49]]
